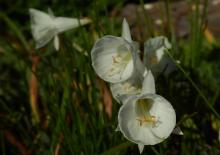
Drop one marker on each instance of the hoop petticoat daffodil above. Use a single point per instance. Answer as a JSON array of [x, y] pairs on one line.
[[114, 58], [147, 118], [45, 26]]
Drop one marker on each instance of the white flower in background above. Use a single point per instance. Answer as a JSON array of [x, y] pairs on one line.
[[148, 118], [45, 26], [155, 58]]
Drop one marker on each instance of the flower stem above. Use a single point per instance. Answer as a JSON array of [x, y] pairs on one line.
[[195, 86]]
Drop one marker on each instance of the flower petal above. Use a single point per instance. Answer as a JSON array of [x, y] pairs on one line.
[[50, 12], [126, 34], [177, 131], [140, 147], [165, 114], [42, 27], [148, 86], [56, 43]]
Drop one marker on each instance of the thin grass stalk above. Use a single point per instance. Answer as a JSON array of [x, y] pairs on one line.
[[209, 105], [16, 30]]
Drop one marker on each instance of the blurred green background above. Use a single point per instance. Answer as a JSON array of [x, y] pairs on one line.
[[52, 102]]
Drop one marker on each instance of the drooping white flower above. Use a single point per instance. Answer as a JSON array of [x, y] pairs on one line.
[[147, 118], [45, 26], [155, 58]]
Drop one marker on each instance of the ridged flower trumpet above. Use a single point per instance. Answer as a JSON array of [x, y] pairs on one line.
[[114, 58], [45, 26]]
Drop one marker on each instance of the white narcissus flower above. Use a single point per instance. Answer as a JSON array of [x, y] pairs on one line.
[[45, 26], [155, 58], [113, 59], [148, 118]]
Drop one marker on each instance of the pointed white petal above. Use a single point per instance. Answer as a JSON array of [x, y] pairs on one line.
[[64, 23], [148, 86], [50, 12], [56, 43], [117, 129], [177, 131], [167, 43], [139, 66], [113, 59], [126, 34], [42, 27], [140, 147]]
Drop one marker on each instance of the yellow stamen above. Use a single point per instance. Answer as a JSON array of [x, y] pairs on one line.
[[147, 119], [119, 62], [127, 87], [144, 112]]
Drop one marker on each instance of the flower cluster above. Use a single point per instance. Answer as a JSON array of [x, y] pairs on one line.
[[145, 117]]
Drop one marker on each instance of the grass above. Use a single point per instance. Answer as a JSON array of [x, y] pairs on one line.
[[53, 102]]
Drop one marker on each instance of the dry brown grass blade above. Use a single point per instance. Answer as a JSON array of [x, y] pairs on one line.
[[33, 89], [21, 147], [107, 97]]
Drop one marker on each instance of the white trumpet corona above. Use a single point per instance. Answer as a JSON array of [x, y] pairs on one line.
[[146, 119], [113, 58]]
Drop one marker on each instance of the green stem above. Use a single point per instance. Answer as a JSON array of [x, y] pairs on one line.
[[155, 151], [14, 28], [195, 86]]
